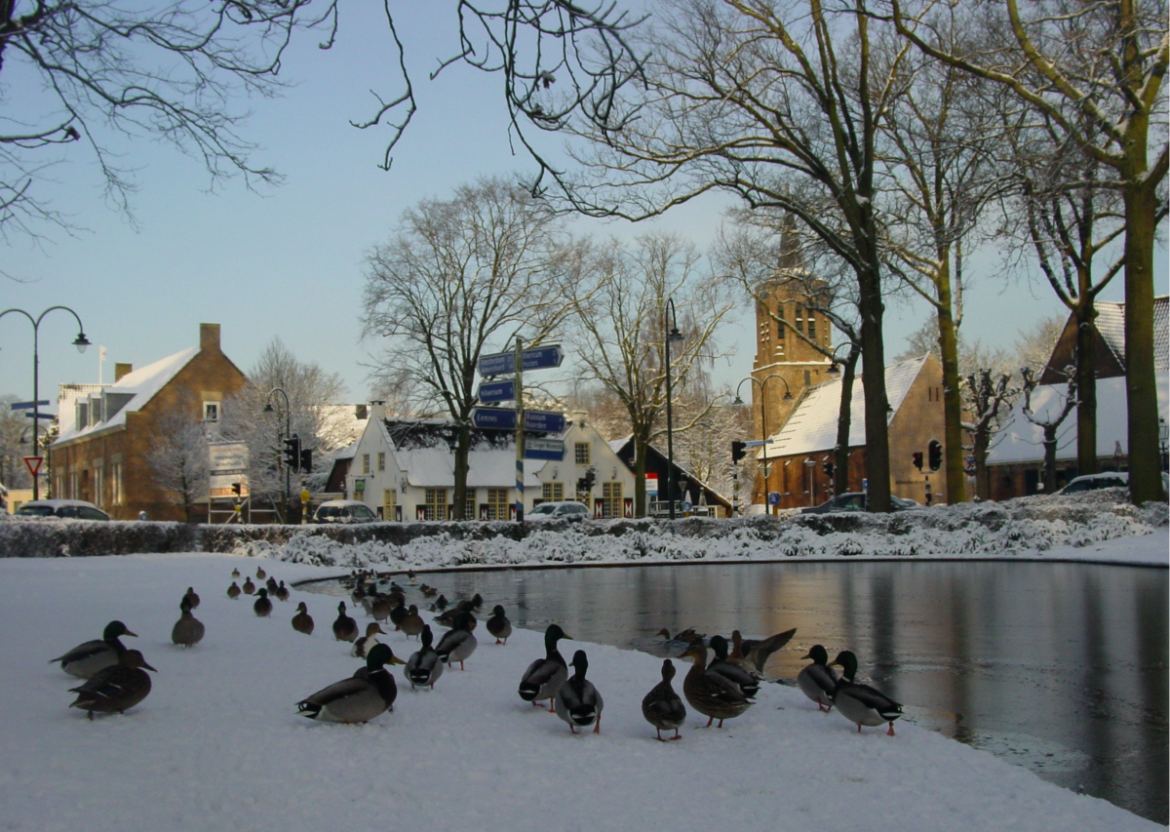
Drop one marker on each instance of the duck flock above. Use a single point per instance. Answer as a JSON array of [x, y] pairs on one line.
[[720, 689]]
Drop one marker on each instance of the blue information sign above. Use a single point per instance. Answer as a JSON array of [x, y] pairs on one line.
[[773, 498], [553, 449], [497, 418], [28, 405], [491, 392], [504, 363], [544, 421]]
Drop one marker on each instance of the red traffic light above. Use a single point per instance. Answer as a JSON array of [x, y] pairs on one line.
[[918, 460]]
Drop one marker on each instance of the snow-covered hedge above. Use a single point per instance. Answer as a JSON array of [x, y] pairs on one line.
[[988, 529]]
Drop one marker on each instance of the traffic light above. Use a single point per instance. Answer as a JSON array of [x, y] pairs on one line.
[[236, 488], [934, 452], [292, 452], [918, 460], [307, 461], [738, 451], [828, 468], [590, 478]]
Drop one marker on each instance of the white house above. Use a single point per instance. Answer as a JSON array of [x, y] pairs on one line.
[[404, 469]]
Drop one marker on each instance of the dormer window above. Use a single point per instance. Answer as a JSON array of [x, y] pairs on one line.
[[211, 411]]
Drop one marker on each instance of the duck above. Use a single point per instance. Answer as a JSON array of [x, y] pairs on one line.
[[662, 707], [271, 584], [233, 591], [281, 592], [363, 645], [398, 613], [476, 601], [818, 681], [458, 643], [262, 607], [441, 603], [862, 704], [302, 622], [117, 687], [424, 667], [369, 693], [84, 660], [249, 587], [260, 573], [235, 574], [188, 630], [344, 628], [710, 694], [753, 654], [447, 619], [544, 677], [412, 624], [428, 591], [578, 702], [748, 683], [358, 594], [192, 597], [499, 625], [381, 607], [410, 579]]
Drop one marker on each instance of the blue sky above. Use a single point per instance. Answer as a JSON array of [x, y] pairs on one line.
[[289, 262]]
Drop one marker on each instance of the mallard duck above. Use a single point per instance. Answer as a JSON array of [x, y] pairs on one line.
[[260, 573], [249, 587], [262, 607], [369, 692], [412, 624], [544, 677], [710, 694], [410, 579], [441, 603], [271, 585], [363, 645], [344, 628], [458, 643], [281, 592], [424, 667], [476, 601], [447, 619], [117, 687], [188, 630], [192, 597], [302, 622], [578, 702], [862, 704], [748, 683], [84, 660], [235, 574], [428, 591], [381, 607], [398, 613], [662, 707], [753, 654], [818, 681], [233, 591], [358, 594], [499, 625]]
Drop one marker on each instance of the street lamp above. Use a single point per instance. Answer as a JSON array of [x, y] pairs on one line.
[[81, 342], [763, 411], [268, 408], [677, 337]]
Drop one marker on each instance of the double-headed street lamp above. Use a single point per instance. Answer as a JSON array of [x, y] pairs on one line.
[[268, 408], [677, 337], [764, 412], [81, 342]]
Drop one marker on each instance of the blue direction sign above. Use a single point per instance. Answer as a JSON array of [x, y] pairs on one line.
[[504, 363], [491, 392], [553, 449], [493, 418], [27, 405], [42, 415], [544, 421]]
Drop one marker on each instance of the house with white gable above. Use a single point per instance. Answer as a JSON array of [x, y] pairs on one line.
[[404, 469]]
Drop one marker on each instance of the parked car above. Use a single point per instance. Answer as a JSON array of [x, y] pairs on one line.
[[562, 509], [75, 509], [1093, 482], [855, 501], [344, 511]]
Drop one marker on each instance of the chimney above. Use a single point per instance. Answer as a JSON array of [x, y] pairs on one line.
[[121, 370], [209, 337], [378, 411]]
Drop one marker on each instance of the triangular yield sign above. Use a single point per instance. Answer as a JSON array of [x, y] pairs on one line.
[[34, 463]]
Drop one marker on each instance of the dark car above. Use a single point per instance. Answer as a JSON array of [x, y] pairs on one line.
[[74, 509], [855, 501], [1094, 482], [344, 511]]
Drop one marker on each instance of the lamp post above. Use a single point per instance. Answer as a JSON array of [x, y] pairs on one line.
[[763, 412], [676, 336], [81, 342], [268, 408]]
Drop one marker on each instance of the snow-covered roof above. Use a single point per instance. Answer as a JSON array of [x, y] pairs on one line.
[[1022, 442], [141, 384], [812, 426]]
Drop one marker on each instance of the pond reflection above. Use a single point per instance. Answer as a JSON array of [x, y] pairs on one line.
[[1061, 668]]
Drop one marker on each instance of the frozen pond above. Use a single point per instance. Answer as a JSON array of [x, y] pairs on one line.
[[1061, 668]]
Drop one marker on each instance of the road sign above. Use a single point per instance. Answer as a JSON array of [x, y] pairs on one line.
[[493, 418], [651, 484], [544, 421], [504, 363], [42, 415], [33, 463], [227, 458], [755, 443], [773, 498], [491, 392], [27, 405], [553, 449], [220, 486]]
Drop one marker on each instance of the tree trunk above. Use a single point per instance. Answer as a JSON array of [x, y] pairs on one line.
[[1086, 371], [844, 424], [948, 342], [982, 476], [640, 445], [462, 466], [873, 377], [1050, 458]]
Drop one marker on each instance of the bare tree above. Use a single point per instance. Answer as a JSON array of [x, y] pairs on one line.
[[1033, 347], [178, 456], [1050, 420], [987, 396], [16, 431], [1094, 74], [480, 269], [622, 331]]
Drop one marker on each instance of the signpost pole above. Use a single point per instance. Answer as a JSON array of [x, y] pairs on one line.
[[519, 434]]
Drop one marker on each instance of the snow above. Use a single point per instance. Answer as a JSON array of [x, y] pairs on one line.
[[218, 744]]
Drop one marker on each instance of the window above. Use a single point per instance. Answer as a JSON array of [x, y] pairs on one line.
[[435, 507], [211, 411], [581, 453], [74, 488], [99, 493], [552, 491], [365, 463], [381, 460], [780, 327], [799, 318], [469, 505], [611, 499], [389, 500], [812, 325], [497, 504], [116, 483]]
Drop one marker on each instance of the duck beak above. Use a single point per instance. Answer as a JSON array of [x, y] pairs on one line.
[[128, 633], [148, 667], [396, 660], [802, 658]]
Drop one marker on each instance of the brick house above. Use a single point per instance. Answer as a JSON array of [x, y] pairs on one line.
[[105, 433]]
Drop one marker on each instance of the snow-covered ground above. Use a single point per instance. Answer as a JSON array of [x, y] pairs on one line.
[[218, 744]]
